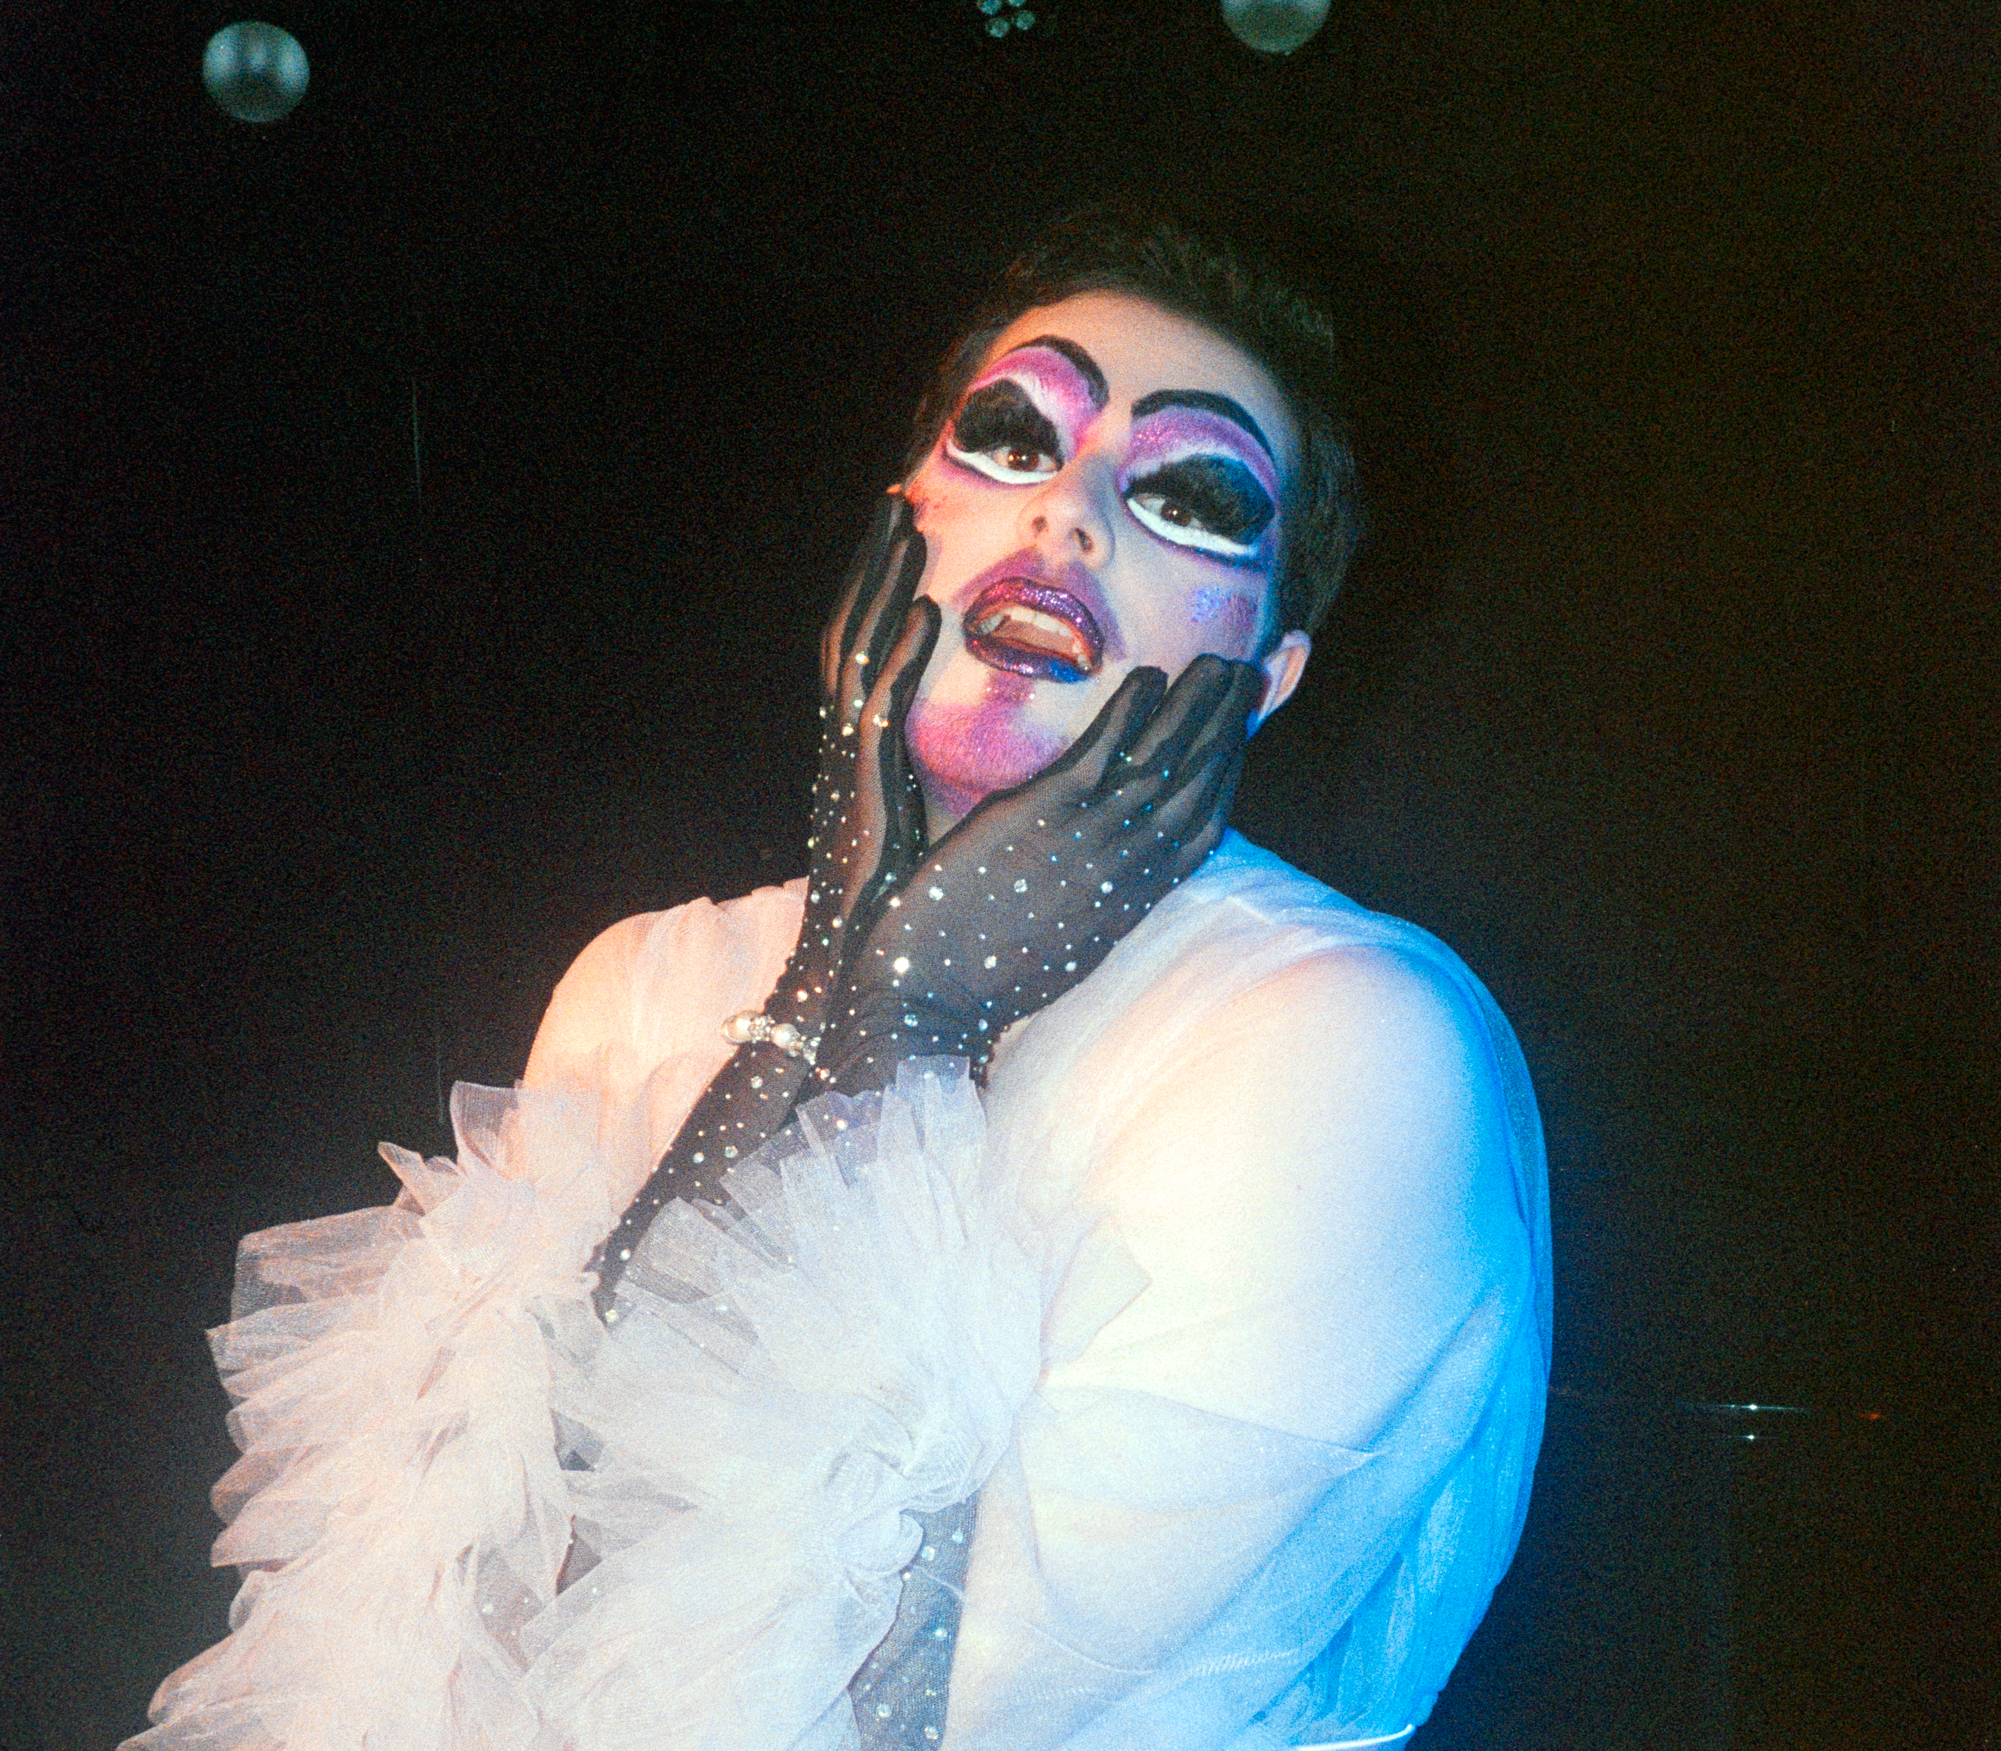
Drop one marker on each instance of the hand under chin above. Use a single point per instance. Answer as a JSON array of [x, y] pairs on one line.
[[964, 753]]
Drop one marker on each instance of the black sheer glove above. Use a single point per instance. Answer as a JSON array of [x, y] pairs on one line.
[[1027, 895], [868, 818], [867, 830]]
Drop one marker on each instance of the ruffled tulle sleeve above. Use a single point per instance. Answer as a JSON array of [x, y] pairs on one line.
[[400, 1508], [779, 1394], [474, 1518], [478, 1519]]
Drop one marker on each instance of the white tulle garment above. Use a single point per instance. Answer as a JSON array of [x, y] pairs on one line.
[[1242, 1343], [435, 1427]]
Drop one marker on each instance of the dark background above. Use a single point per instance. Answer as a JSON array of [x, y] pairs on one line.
[[1665, 693]]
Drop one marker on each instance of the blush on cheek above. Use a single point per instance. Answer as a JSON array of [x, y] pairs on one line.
[[936, 502], [1228, 618], [964, 753]]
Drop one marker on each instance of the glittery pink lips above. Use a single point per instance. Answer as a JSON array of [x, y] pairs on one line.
[[1036, 629]]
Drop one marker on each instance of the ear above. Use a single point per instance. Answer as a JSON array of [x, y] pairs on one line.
[[1283, 668]]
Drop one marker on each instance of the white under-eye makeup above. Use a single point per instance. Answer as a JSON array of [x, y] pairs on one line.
[[1021, 417], [1107, 494], [1198, 474]]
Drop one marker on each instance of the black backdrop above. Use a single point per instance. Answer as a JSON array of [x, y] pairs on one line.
[[1665, 693]]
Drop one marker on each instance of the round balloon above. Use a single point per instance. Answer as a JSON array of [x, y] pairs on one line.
[[255, 72], [1274, 27]]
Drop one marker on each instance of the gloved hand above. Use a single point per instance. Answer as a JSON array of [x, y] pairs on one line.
[[868, 818], [867, 830], [1028, 894]]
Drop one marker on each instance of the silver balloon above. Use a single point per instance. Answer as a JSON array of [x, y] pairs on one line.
[[1274, 27], [255, 72]]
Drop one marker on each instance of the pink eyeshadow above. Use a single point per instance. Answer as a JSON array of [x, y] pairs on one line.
[[1053, 384], [1175, 432]]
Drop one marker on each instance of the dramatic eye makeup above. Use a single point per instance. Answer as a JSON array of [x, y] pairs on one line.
[[1000, 433], [1024, 413], [1198, 471], [1199, 475], [1205, 501]]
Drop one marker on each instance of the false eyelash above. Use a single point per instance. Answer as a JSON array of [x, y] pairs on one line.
[[1222, 494], [1001, 413]]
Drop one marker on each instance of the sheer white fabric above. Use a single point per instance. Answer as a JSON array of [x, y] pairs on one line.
[[1231, 1299]]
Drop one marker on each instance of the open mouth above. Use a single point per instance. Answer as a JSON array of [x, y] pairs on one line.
[[1029, 628]]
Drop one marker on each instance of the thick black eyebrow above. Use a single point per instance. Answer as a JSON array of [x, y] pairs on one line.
[[1087, 367], [1207, 403]]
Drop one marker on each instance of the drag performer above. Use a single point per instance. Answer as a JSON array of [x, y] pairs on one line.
[[1054, 1276]]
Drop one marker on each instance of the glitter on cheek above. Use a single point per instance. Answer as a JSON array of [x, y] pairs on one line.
[[1230, 616], [1206, 604], [964, 753]]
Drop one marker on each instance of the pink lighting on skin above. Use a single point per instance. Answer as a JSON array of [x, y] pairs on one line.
[[1052, 383], [967, 752]]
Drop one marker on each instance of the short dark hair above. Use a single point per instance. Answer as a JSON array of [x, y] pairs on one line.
[[1144, 252]]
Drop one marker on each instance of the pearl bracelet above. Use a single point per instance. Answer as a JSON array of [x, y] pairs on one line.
[[750, 1026]]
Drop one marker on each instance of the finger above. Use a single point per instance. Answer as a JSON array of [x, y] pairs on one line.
[[1196, 851], [1177, 846], [1227, 726], [1208, 733], [1182, 818], [837, 639], [1122, 717], [902, 666], [881, 618], [884, 744], [1172, 802], [885, 814], [834, 635], [1195, 695], [903, 571]]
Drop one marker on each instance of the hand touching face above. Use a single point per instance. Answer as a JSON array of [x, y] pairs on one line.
[[1105, 497]]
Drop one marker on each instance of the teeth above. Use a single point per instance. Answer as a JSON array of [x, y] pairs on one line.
[[1033, 630]]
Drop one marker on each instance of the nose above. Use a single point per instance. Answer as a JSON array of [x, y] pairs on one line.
[[1070, 518]]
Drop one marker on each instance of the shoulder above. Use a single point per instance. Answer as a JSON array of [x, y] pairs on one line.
[[633, 979], [1316, 1185], [1326, 1053], [1364, 1016], [1312, 1135], [1354, 1062], [1303, 976]]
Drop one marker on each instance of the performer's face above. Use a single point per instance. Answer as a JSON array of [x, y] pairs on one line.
[[1106, 496]]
